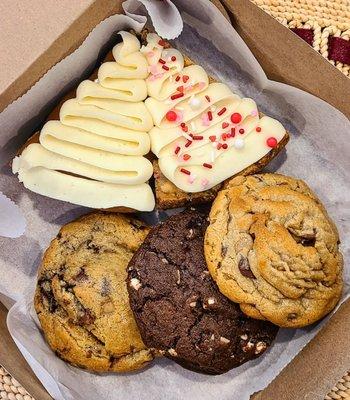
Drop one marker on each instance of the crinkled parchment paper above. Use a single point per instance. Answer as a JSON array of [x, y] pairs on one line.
[[318, 153]]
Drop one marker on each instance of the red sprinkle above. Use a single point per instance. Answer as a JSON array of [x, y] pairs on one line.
[[236, 118], [224, 136], [188, 143], [222, 111], [233, 132], [212, 138], [206, 165], [185, 78], [208, 98], [177, 96], [219, 146], [165, 67], [162, 61], [271, 142], [177, 150], [210, 115], [171, 116], [197, 137], [162, 42], [177, 78], [258, 129], [173, 58], [180, 88], [224, 125], [184, 128], [241, 131], [186, 157], [224, 146], [182, 124], [185, 171]]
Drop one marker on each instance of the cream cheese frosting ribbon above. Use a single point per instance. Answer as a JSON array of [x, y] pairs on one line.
[[203, 132], [93, 156]]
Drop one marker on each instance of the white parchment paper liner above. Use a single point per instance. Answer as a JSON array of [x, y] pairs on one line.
[[318, 152]]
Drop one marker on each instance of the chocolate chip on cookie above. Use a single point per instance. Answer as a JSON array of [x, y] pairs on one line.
[[178, 307], [81, 297], [281, 260]]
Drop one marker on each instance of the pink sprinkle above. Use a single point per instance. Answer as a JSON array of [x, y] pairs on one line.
[[201, 85], [180, 116], [204, 182], [191, 179], [205, 119], [254, 113], [150, 54], [153, 69]]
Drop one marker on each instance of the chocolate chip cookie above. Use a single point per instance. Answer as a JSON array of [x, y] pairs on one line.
[[272, 248], [178, 307], [81, 297]]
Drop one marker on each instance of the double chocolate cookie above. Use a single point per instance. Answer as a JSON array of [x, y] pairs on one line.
[[81, 297], [178, 307], [272, 248]]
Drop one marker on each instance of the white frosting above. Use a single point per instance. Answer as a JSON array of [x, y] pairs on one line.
[[203, 132], [92, 156]]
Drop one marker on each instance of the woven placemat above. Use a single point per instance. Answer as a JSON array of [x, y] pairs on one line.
[[10, 389], [324, 24]]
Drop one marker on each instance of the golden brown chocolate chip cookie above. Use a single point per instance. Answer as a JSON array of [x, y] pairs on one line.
[[81, 297], [272, 247]]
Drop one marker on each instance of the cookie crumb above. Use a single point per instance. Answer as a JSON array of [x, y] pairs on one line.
[[212, 337], [244, 337], [224, 340], [193, 304], [211, 300], [165, 261], [135, 283]]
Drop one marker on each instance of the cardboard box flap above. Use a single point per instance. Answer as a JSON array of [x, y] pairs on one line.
[[28, 53]]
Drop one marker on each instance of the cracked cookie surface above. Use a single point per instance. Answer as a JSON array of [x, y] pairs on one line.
[[272, 248], [81, 297], [178, 307]]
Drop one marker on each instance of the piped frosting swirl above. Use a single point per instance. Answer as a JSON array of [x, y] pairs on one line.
[[204, 133], [93, 156]]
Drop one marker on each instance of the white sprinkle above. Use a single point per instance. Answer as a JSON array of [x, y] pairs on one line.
[[135, 283], [238, 143], [224, 340], [170, 78], [180, 108], [193, 125], [214, 144], [172, 352], [244, 337], [212, 156], [194, 102], [188, 137]]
